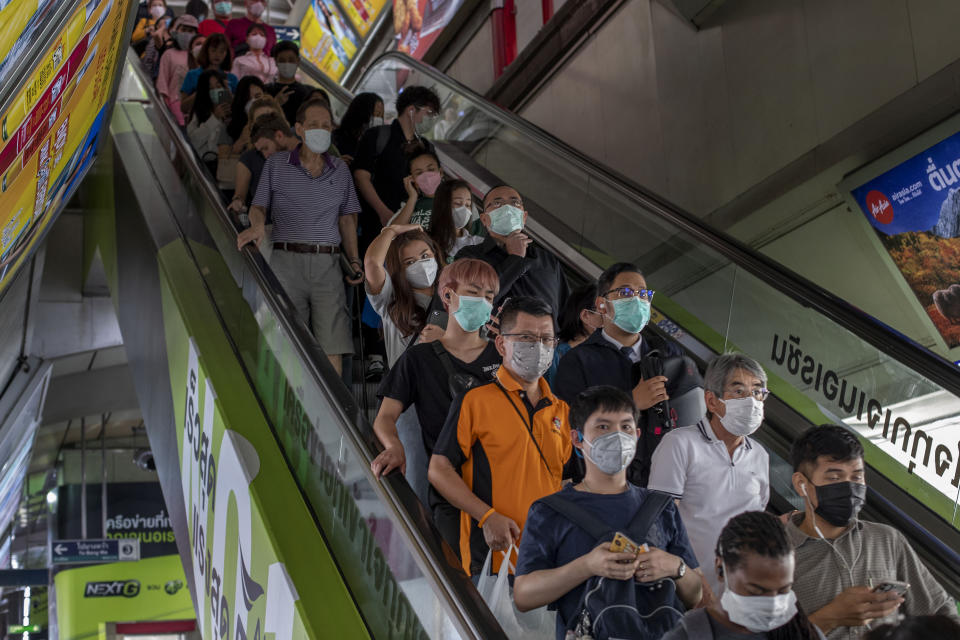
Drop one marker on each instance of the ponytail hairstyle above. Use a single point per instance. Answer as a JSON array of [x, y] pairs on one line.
[[442, 229], [409, 317], [762, 534]]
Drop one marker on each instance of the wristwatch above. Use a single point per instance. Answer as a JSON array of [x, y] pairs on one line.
[[681, 570]]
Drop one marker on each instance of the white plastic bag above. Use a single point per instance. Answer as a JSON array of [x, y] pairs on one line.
[[539, 624]]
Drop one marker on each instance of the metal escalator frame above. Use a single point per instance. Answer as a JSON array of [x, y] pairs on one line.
[[931, 540], [455, 588], [879, 335]]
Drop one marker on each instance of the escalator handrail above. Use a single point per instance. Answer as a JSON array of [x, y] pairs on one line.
[[884, 338], [452, 583]]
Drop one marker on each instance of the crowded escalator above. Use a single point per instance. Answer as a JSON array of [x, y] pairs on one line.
[[591, 451]]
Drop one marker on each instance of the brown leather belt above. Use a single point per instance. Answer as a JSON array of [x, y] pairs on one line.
[[298, 247]]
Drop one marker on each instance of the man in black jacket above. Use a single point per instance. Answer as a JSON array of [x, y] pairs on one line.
[[616, 355], [523, 270]]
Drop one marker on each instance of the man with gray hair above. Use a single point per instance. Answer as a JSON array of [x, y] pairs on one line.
[[713, 468]]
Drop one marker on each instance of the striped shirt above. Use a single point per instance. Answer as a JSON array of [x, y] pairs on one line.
[[866, 554], [306, 208]]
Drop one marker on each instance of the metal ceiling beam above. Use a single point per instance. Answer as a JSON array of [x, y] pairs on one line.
[[90, 393]]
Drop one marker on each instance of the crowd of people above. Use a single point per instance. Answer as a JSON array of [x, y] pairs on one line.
[[532, 420]]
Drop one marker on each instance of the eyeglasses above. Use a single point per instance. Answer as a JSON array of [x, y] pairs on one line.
[[741, 392], [430, 113], [629, 292], [529, 338], [496, 203]]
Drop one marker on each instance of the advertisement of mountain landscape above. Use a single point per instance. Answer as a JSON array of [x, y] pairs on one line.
[[915, 210]]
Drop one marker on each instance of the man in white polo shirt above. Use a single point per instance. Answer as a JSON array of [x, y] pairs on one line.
[[714, 469]]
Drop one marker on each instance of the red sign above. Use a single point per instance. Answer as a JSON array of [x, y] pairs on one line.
[[880, 207]]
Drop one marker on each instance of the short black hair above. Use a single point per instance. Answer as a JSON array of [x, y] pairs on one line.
[[756, 532], [309, 104], [483, 202], [418, 151], [605, 281], [599, 398], [937, 626], [831, 440], [583, 297], [522, 304], [419, 97], [257, 26], [285, 45]]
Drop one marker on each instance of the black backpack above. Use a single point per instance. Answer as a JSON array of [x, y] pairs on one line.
[[612, 609]]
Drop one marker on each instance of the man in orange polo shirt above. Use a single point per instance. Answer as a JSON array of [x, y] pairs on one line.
[[505, 443]]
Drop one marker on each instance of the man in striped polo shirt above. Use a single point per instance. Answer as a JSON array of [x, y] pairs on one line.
[[314, 205]]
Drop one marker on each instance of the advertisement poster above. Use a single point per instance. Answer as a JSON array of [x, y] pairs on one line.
[[49, 132], [915, 210], [362, 13], [19, 22], [418, 23], [326, 40]]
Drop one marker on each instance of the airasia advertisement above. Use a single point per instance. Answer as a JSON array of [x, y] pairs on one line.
[[915, 209]]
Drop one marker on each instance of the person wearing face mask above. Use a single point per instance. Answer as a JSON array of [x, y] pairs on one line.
[[619, 352], [421, 185], [504, 444], [237, 28], [842, 559], [365, 112], [714, 469], [211, 111], [524, 270], [288, 91], [578, 320], [314, 205], [151, 25], [559, 558], [255, 62], [174, 64], [422, 383], [754, 563], [222, 12], [452, 218], [381, 161], [214, 54]]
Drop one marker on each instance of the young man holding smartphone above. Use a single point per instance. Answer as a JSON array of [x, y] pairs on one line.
[[847, 568], [557, 557]]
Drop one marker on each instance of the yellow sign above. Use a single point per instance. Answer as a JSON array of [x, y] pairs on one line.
[[362, 13], [15, 17], [49, 133], [326, 40]]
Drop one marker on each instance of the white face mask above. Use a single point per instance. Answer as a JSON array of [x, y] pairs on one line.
[[611, 452], [422, 273], [376, 121], [256, 9], [287, 69], [461, 216], [158, 11], [530, 360], [758, 613], [317, 140], [743, 415]]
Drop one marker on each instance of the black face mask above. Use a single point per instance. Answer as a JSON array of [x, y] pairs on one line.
[[840, 502]]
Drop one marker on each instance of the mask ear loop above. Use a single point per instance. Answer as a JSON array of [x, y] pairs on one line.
[[836, 554]]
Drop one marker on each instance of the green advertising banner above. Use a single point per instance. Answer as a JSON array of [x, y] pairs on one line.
[[260, 564], [148, 590]]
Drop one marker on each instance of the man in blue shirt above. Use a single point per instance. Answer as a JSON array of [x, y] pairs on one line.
[[557, 557]]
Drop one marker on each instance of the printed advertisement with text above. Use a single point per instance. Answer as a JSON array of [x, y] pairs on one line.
[[915, 209], [418, 23]]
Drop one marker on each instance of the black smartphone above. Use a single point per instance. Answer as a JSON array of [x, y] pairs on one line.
[[438, 318]]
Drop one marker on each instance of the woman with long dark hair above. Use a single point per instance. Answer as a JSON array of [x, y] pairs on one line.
[[211, 111], [452, 213], [401, 268], [249, 89], [214, 54], [755, 565], [365, 111]]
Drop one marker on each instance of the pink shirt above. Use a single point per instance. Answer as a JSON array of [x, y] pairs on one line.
[[173, 67], [251, 64], [236, 32]]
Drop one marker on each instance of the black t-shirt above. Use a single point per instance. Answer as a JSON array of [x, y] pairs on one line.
[[254, 161], [389, 167], [297, 98], [419, 378], [346, 143]]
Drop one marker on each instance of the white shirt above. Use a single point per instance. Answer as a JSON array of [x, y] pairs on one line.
[[396, 342], [634, 350], [692, 464]]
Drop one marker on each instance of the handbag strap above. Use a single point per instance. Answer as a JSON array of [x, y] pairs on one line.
[[653, 505], [526, 424], [444, 357]]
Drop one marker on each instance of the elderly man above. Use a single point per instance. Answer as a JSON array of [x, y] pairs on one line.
[[714, 469]]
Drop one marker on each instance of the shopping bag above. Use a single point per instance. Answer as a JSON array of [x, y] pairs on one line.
[[539, 624]]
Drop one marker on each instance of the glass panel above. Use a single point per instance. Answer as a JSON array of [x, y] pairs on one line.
[[380, 559], [820, 369]]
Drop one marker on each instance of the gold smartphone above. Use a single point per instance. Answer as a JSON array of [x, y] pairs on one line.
[[623, 544]]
